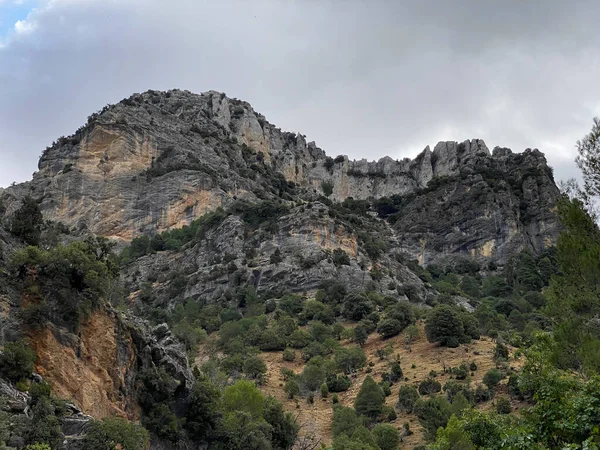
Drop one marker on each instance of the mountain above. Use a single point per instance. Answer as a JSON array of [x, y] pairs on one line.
[[212, 207], [158, 160]]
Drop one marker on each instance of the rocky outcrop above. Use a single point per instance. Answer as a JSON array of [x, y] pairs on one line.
[[157, 160], [97, 368]]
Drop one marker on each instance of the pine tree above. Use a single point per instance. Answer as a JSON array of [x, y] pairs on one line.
[[369, 401]]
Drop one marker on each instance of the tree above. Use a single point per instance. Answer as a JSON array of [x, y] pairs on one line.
[[349, 359], [360, 334], [203, 411], [27, 222], [370, 399], [401, 312], [492, 377], [244, 396], [444, 325], [284, 427], [115, 431], [433, 413], [388, 328], [407, 397], [345, 420], [386, 436], [255, 368], [16, 361]]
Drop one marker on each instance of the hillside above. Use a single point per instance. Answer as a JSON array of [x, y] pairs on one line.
[[184, 264]]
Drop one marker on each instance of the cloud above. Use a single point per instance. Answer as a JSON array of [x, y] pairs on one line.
[[360, 78]]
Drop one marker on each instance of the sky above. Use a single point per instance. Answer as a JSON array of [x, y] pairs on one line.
[[364, 78]]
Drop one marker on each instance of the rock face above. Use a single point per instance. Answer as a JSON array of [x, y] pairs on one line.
[[158, 160]]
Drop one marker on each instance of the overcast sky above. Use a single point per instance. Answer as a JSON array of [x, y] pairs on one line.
[[362, 78]]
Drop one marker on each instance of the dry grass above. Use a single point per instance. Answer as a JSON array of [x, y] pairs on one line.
[[316, 418]]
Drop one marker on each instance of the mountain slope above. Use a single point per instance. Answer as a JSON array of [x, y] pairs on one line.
[[158, 160]]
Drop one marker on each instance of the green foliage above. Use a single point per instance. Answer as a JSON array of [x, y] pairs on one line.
[[72, 279], [370, 399], [429, 386], [360, 334], [289, 355], [324, 390], [114, 431], [338, 383], [255, 368], [407, 397], [244, 396], [38, 446], [345, 420], [350, 359], [27, 222], [16, 361], [574, 294], [446, 325], [433, 413], [503, 405], [340, 257], [388, 328], [492, 377], [327, 187], [386, 436]]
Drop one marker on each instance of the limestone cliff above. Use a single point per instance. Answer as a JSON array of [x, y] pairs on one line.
[[158, 160]]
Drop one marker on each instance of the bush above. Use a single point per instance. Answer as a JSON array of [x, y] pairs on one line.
[[407, 398], [16, 361], [324, 390], [501, 352], [389, 327], [350, 359], [289, 355], [255, 368], [338, 383], [503, 406], [113, 432], [370, 399], [444, 325], [433, 414], [27, 222], [482, 394], [386, 436], [388, 414], [345, 421], [340, 258], [492, 377], [291, 388], [473, 366], [429, 386]]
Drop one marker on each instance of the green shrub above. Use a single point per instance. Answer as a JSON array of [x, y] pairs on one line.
[[433, 413], [492, 377], [115, 431], [503, 406], [407, 398], [16, 361], [389, 327], [289, 354], [429, 386], [370, 399], [338, 383], [291, 388], [324, 390], [386, 436], [27, 222]]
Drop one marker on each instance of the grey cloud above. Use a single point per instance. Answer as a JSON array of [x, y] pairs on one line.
[[363, 78]]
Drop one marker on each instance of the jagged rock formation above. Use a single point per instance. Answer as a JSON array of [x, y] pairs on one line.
[[158, 160]]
